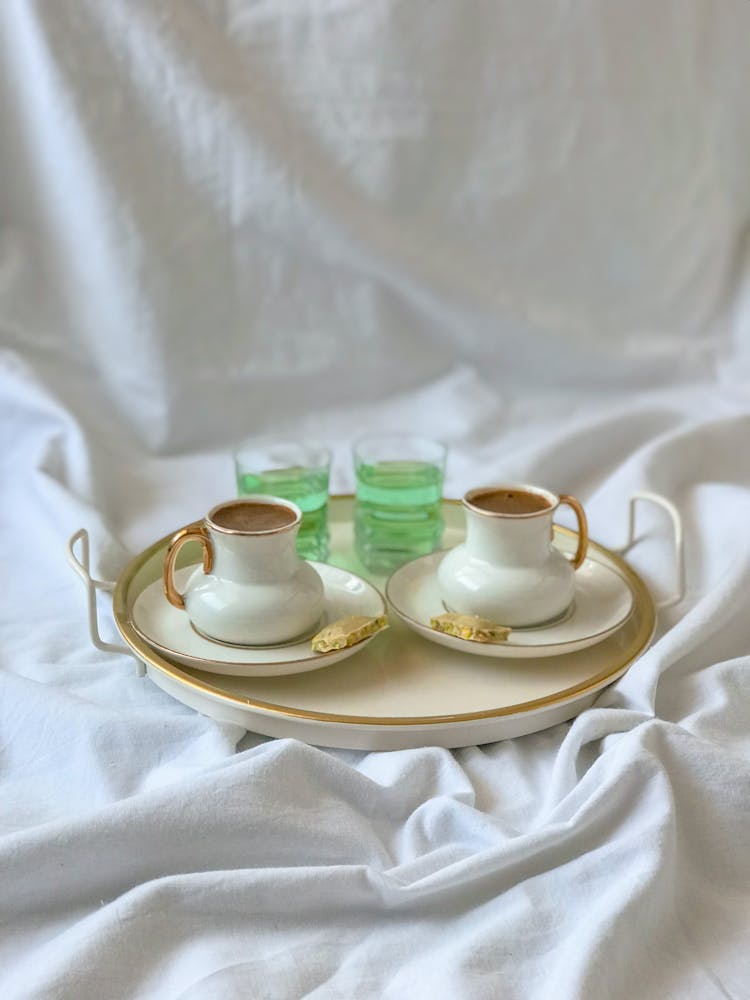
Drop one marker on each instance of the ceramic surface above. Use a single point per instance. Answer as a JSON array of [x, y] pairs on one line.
[[602, 602], [253, 588], [507, 569], [168, 630]]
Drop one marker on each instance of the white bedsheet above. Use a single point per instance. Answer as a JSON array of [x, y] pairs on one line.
[[521, 228]]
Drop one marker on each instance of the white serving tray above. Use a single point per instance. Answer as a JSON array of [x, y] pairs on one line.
[[401, 690]]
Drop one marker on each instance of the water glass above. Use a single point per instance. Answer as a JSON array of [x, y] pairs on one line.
[[294, 470], [397, 510]]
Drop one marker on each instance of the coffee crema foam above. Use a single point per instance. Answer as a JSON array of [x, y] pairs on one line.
[[254, 515], [510, 502]]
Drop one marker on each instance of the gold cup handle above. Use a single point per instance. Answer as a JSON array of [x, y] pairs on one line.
[[583, 528], [193, 533]]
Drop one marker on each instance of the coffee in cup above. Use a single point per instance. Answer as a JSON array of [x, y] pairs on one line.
[[510, 500], [253, 516]]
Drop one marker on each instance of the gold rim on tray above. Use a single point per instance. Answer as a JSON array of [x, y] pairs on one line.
[[640, 641]]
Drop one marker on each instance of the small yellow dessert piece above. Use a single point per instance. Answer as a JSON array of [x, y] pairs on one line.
[[346, 632], [470, 627]]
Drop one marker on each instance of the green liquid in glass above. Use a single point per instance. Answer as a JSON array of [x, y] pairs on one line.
[[308, 488], [397, 513]]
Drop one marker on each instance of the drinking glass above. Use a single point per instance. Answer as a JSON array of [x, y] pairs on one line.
[[294, 470], [399, 488]]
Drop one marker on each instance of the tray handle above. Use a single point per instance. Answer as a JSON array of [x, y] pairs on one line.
[[81, 567], [679, 553]]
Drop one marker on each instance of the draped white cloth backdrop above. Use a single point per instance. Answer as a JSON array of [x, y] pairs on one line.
[[522, 228]]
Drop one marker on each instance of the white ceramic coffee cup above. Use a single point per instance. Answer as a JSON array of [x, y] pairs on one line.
[[508, 570], [253, 589]]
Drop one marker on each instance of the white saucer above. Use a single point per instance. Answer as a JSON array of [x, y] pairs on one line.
[[168, 630], [603, 602]]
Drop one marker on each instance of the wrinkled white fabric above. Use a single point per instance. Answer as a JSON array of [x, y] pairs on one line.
[[521, 228]]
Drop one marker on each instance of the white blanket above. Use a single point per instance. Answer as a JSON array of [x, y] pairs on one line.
[[521, 228]]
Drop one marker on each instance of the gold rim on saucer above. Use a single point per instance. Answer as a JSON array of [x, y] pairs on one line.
[[126, 624], [623, 571]]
